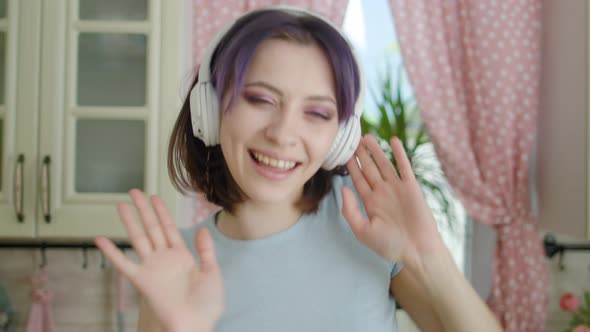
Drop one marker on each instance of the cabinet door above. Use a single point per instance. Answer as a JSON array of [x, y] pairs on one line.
[[19, 71], [99, 112]]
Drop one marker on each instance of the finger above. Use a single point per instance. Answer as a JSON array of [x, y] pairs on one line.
[[116, 257], [403, 163], [141, 244], [352, 213], [368, 167], [171, 232], [361, 185], [206, 250], [150, 224], [385, 166]]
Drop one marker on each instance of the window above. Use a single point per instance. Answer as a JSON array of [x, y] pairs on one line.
[[369, 26]]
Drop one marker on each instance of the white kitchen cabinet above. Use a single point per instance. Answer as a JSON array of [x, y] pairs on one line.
[[89, 91]]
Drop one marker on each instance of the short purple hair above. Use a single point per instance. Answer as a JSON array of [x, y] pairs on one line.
[[235, 51], [194, 166]]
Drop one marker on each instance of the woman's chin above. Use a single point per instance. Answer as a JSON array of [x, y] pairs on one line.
[[264, 195]]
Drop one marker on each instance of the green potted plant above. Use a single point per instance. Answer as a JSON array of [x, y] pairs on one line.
[[401, 118]]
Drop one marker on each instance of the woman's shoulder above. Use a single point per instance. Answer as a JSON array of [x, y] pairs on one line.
[[188, 233], [340, 181], [330, 209]]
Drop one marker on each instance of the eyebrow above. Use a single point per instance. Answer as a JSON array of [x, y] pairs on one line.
[[278, 92]]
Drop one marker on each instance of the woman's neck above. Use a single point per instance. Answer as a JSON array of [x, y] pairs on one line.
[[250, 221]]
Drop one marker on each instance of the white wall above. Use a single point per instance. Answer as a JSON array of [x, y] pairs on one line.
[[561, 161], [562, 152]]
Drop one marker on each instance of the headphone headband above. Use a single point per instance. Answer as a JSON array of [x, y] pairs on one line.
[[205, 111]]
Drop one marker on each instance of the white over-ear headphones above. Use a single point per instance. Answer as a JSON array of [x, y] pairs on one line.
[[205, 112]]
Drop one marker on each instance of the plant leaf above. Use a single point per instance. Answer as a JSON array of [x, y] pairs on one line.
[[401, 118]]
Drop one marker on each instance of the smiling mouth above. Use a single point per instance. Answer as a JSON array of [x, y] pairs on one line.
[[283, 165]]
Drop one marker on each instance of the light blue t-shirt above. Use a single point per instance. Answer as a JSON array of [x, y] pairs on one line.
[[314, 276]]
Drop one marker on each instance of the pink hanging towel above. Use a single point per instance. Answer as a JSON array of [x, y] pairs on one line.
[[41, 313]]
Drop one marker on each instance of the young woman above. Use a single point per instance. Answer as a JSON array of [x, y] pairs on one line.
[[316, 222]]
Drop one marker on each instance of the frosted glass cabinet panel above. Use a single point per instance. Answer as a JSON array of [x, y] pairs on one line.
[[104, 140], [2, 94], [113, 10], [2, 66], [3, 79], [110, 156], [111, 69], [1, 153]]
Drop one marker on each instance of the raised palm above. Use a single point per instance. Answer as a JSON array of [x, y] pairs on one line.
[[181, 293], [400, 225]]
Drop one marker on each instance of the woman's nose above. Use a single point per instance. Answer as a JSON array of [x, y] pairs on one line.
[[282, 130]]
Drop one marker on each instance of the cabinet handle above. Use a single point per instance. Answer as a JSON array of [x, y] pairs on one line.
[[19, 187], [46, 189]]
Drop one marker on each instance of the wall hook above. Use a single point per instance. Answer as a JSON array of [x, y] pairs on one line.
[[103, 261], [85, 256], [552, 248], [43, 257]]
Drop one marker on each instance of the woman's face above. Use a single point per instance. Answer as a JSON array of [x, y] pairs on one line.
[[279, 130]]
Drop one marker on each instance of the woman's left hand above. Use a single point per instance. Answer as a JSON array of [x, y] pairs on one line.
[[400, 225], [184, 295]]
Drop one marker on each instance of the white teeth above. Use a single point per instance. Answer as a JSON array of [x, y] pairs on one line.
[[281, 164]]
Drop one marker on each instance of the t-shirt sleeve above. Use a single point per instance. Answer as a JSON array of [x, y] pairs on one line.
[[346, 181], [396, 268], [188, 236]]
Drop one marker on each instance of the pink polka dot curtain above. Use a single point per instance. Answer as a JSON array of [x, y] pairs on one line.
[[209, 16], [474, 66]]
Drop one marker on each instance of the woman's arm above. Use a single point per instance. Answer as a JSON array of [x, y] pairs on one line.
[[453, 298], [147, 319], [415, 301], [441, 299], [148, 322], [400, 227]]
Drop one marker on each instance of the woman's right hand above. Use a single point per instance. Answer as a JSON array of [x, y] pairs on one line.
[[183, 295]]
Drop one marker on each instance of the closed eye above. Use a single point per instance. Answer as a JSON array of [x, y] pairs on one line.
[[321, 115], [255, 100], [258, 100]]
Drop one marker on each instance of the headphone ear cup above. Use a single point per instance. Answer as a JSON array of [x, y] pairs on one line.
[[333, 152], [205, 113], [211, 110], [197, 117], [345, 143]]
